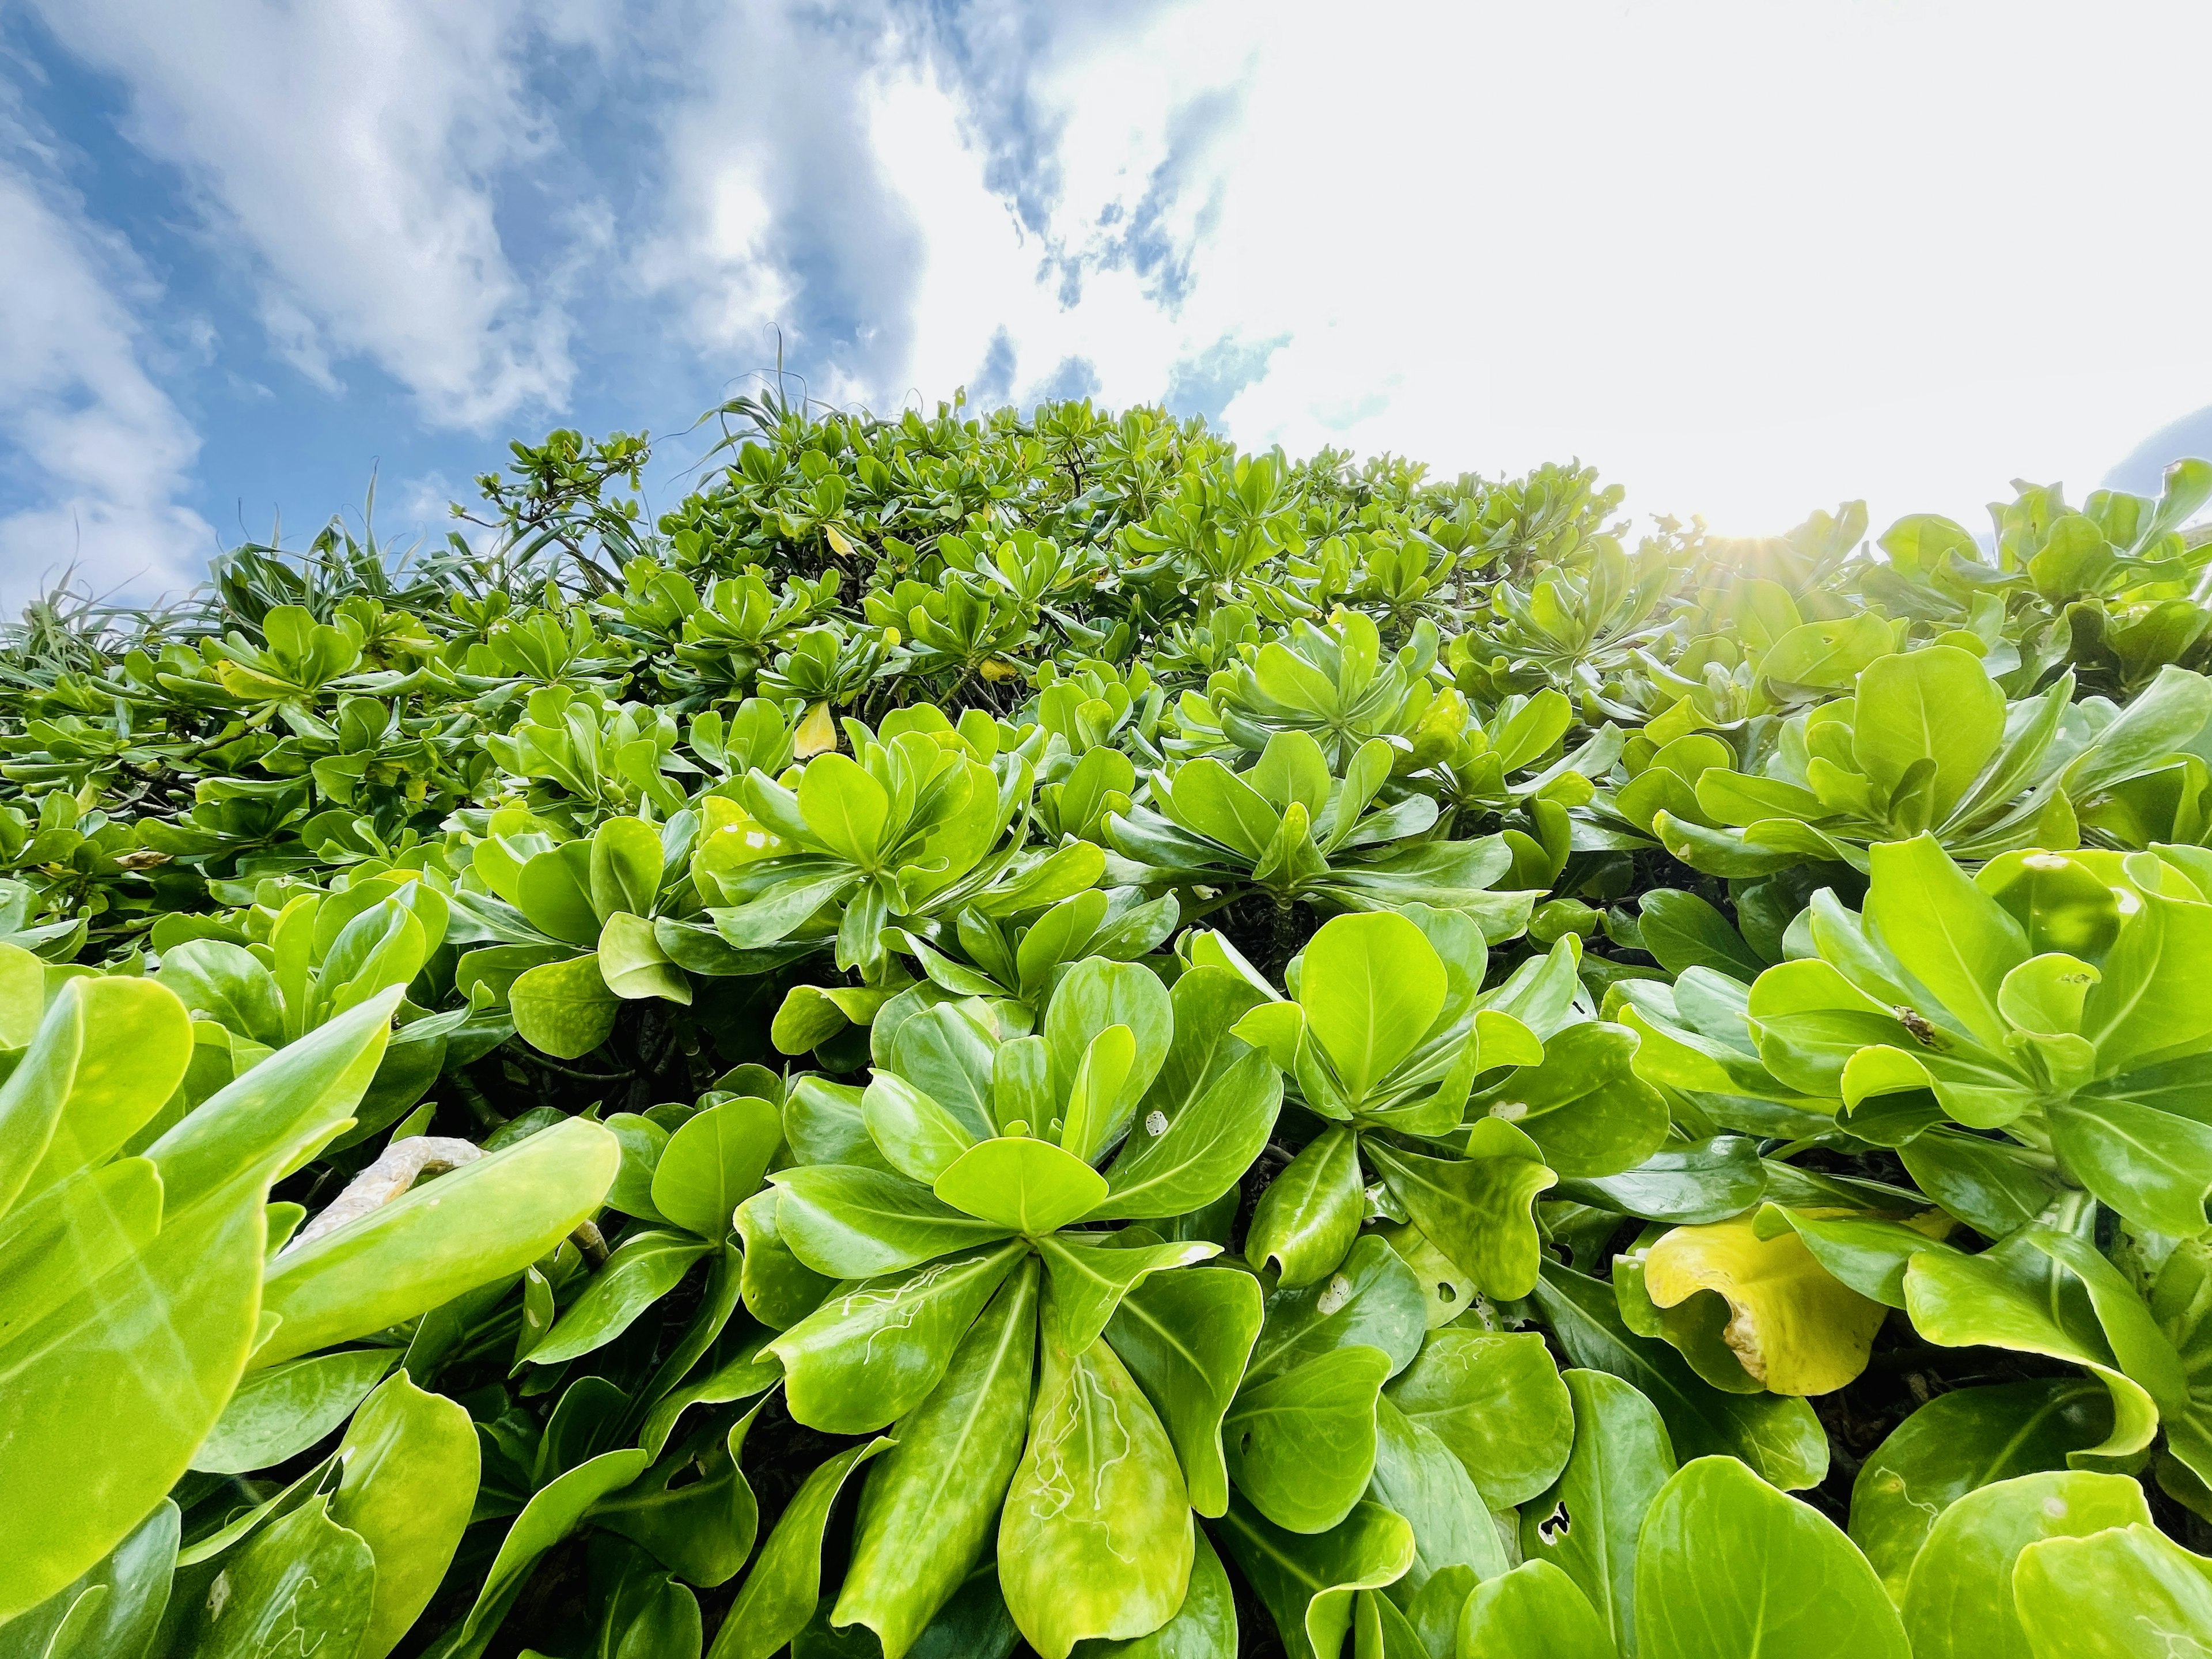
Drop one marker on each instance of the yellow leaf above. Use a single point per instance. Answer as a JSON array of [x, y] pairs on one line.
[[844, 548], [998, 669], [1793, 1326], [817, 733]]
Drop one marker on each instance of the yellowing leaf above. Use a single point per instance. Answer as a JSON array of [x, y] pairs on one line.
[[816, 733], [1794, 1327]]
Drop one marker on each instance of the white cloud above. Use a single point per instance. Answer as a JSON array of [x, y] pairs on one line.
[[349, 149], [103, 451], [1748, 261]]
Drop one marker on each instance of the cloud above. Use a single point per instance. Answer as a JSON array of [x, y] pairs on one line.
[[96, 452], [348, 153]]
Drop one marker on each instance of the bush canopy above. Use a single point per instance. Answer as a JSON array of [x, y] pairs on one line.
[[1030, 1029]]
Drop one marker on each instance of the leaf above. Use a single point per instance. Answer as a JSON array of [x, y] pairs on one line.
[[1778, 1437], [1937, 703], [409, 1469], [866, 1357], [1794, 1328], [563, 1009], [1309, 1214], [695, 1511], [555, 892], [644, 1268], [713, 1163], [779, 1592], [1496, 1400], [778, 1289], [1185, 1337], [1030, 1187], [1419, 1477], [1307, 1581], [1301, 1443], [1952, 938], [853, 1222], [1478, 1210], [281, 1410], [633, 965], [1097, 1535], [1957, 1444], [137, 1040], [1204, 1627], [1586, 1522], [550, 1516], [2113, 1595], [1534, 1608], [1372, 1300], [624, 868], [487, 1220], [1958, 1602], [1094, 995], [1684, 932], [1182, 1155], [1726, 1566], [114, 1608], [1371, 986], [1090, 1272], [303, 1581], [928, 1511]]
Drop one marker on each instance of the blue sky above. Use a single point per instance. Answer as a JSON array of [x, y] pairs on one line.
[[1748, 259]]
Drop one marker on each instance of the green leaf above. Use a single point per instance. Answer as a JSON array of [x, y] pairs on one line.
[[283, 1410], [487, 1220], [1097, 1536], [114, 1608], [1583, 1106], [694, 1510], [1952, 937], [845, 809], [1534, 1608], [1957, 1444], [2113, 1595], [928, 1511], [550, 1516], [854, 1223], [1301, 1442], [1185, 1337], [1092, 996], [868, 1357], [1728, 1566], [714, 1163], [136, 1040], [1185, 1152], [1090, 1272], [625, 867], [1937, 703], [1026, 1186], [1684, 932], [644, 1268], [1778, 1437], [302, 1581], [1586, 1522], [633, 965], [780, 1592], [563, 1008], [1309, 1214], [410, 1467], [1204, 1627], [778, 1289], [1417, 1475], [1371, 1300], [1958, 1601], [1478, 1210], [1496, 1400], [1371, 986], [918, 1137], [1307, 1581]]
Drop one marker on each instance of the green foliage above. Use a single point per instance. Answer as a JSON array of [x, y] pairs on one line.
[[1030, 1029]]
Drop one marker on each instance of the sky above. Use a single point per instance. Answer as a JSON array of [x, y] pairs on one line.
[[1747, 260]]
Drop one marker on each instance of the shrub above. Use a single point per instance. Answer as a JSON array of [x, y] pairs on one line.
[[1031, 1029]]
